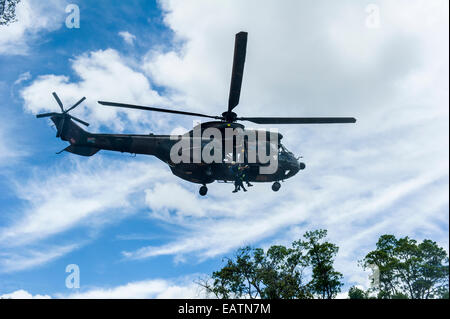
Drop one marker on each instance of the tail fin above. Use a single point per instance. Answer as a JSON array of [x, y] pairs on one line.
[[76, 136]]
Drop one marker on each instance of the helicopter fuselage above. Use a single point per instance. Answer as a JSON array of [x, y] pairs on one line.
[[201, 172]]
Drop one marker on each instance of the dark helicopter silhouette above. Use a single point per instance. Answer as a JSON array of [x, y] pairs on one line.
[[202, 172]]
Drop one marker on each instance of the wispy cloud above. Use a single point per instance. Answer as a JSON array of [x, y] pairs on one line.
[[23, 77], [178, 288], [127, 37], [145, 289], [90, 195], [23, 294], [386, 174], [105, 75], [33, 18], [64, 199], [21, 259], [10, 151]]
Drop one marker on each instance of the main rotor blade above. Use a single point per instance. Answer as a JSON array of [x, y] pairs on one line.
[[78, 120], [46, 114], [58, 100], [298, 120], [149, 108], [76, 104], [240, 48]]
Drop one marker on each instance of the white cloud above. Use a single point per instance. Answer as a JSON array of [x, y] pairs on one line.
[[94, 194], [10, 152], [145, 289], [14, 261], [293, 59], [105, 75], [23, 77], [386, 174], [91, 188], [22, 294], [179, 288], [230, 224], [33, 18], [127, 37]]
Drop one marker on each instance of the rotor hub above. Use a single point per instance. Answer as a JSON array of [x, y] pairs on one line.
[[229, 116]]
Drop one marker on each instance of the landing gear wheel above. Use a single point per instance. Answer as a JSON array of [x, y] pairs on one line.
[[203, 190], [276, 186]]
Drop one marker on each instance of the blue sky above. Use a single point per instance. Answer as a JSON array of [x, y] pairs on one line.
[[133, 228]]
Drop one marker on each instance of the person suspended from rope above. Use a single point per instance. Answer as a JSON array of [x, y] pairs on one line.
[[241, 175], [234, 168], [244, 173]]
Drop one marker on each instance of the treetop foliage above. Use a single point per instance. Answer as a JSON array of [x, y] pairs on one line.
[[8, 11], [406, 269], [409, 269], [280, 272]]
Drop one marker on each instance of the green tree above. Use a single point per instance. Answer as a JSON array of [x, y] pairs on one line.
[[279, 272], [408, 269], [8, 11], [326, 282], [356, 293]]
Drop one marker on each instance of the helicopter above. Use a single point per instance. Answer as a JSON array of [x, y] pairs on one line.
[[194, 168]]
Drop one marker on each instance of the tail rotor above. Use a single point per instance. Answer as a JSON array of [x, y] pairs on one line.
[[63, 115]]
